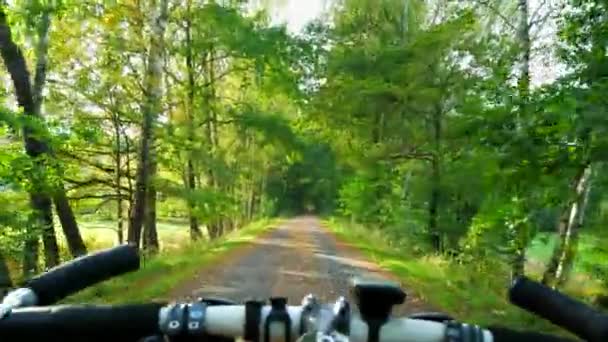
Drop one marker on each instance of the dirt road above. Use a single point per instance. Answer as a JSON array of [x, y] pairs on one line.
[[295, 259]]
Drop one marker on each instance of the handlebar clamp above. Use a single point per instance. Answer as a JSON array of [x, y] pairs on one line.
[[278, 313], [459, 332], [185, 319], [253, 313]]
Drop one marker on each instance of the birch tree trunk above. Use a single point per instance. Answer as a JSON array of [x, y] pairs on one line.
[[577, 218], [118, 178], [151, 108], [570, 223]]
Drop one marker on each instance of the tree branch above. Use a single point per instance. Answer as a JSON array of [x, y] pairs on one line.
[[103, 202], [42, 56], [109, 108], [91, 182], [506, 20], [215, 121], [533, 16], [100, 167], [101, 196], [412, 154], [172, 75], [541, 20]]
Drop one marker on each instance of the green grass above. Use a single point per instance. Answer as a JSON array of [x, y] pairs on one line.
[[469, 294], [161, 274], [103, 233], [542, 246], [582, 283]]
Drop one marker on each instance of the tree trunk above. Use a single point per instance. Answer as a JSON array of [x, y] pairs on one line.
[[118, 177], [139, 197], [118, 181], [72, 234], [195, 231], [520, 242], [214, 133], [31, 101], [151, 244], [120, 224], [551, 269], [131, 194], [5, 276], [42, 49], [49, 240], [577, 219], [251, 203], [150, 232], [571, 221], [523, 37], [518, 266], [433, 209], [213, 228], [30, 253], [62, 206], [150, 110], [34, 147]]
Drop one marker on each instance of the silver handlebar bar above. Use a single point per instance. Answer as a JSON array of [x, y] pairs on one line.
[[324, 322]]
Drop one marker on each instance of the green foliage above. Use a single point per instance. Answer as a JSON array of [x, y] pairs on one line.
[[454, 289], [230, 94], [434, 133]]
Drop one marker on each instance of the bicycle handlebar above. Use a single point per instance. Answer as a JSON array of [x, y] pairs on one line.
[[71, 277], [559, 309], [81, 323], [215, 319], [133, 322], [82, 272]]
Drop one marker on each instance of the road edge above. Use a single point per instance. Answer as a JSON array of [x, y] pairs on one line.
[[158, 278]]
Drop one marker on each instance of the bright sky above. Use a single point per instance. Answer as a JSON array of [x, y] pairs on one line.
[[297, 13]]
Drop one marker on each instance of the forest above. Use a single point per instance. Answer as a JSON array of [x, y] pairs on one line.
[[471, 130]]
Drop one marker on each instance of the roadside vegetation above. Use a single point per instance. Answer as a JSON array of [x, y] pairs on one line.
[[161, 274], [476, 294]]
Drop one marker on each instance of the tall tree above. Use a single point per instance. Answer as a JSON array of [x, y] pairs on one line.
[[145, 191], [62, 206], [35, 148]]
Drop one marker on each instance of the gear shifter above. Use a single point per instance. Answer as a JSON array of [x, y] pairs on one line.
[[375, 300]]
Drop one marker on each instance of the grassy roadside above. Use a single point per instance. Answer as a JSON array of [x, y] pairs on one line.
[[472, 295], [159, 275]]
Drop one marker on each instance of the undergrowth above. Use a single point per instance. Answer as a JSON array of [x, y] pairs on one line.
[[475, 293]]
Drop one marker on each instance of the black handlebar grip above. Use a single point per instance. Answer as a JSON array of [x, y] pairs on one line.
[[81, 323], [502, 334], [560, 309], [71, 277]]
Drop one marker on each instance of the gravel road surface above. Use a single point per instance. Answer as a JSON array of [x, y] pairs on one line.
[[293, 260]]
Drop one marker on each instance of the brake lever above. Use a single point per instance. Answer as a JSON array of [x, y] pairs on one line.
[[318, 336], [325, 324]]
